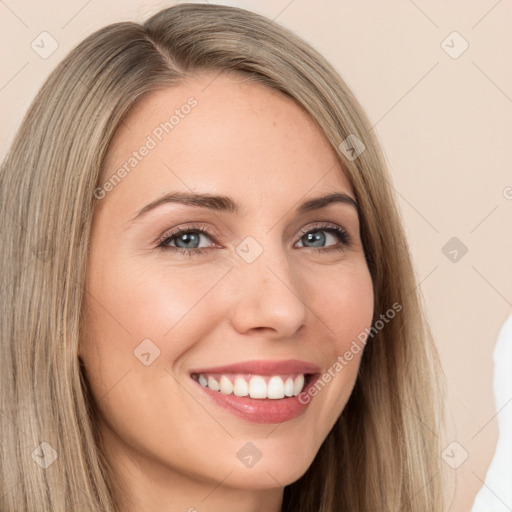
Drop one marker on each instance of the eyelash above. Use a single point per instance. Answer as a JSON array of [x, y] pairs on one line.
[[338, 231]]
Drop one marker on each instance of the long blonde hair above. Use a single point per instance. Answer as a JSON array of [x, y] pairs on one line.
[[383, 452]]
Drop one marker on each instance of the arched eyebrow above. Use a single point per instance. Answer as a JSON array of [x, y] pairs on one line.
[[228, 204]]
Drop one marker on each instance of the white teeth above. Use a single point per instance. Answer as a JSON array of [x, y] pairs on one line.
[[289, 387], [257, 387], [226, 386], [299, 384], [276, 388], [213, 384], [241, 387]]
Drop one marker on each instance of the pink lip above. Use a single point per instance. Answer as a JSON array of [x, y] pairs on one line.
[[264, 410], [263, 367]]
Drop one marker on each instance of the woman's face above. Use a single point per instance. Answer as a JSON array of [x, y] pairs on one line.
[[269, 287]]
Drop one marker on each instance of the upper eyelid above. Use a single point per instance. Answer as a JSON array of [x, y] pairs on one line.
[[319, 224]]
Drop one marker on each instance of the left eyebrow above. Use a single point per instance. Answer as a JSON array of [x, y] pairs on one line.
[[321, 202], [225, 203]]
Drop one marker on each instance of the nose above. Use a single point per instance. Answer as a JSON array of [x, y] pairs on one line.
[[268, 296]]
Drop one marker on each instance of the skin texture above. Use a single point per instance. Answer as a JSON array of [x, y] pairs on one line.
[[172, 448]]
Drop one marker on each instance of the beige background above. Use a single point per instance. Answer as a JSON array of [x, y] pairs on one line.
[[446, 127]]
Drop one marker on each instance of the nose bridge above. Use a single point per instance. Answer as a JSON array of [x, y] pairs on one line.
[[259, 257], [269, 294]]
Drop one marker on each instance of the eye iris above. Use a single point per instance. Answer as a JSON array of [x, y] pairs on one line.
[[317, 238], [187, 238]]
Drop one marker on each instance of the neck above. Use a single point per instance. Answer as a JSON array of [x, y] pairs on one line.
[[148, 484]]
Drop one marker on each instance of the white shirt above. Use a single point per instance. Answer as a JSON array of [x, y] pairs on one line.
[[496, 494]]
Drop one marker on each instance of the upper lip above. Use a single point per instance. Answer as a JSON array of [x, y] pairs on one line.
[[263, 367]]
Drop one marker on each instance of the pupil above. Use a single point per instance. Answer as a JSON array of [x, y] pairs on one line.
[[318, 236], [187, 238]]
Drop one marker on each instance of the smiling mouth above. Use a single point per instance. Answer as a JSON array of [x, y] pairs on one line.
[[273, 400], [273, 387], [259, 391]]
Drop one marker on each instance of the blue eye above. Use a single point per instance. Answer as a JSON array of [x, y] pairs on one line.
[[317, 236], [187, 240]]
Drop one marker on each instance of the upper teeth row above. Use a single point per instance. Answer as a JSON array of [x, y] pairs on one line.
[[257, 387]]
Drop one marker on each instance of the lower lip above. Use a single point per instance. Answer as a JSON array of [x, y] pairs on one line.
[[262, 410]]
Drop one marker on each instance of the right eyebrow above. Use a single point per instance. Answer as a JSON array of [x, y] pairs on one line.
[[212, 202]]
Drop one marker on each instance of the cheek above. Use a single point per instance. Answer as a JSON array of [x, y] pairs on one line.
[[344, 302], [152, 300], [136, 294], [142, 314]]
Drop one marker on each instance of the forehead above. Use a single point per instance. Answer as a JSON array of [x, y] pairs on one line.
[[222, 134]]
